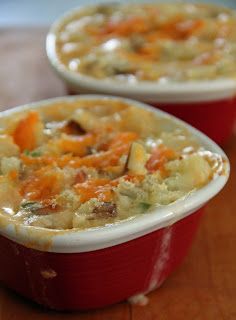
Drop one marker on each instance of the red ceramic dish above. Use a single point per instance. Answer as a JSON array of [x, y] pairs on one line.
[[215, 118], [79, 270], [98, 278]]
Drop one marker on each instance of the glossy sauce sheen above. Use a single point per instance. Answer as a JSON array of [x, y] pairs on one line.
[[91, 163], [150, 42]]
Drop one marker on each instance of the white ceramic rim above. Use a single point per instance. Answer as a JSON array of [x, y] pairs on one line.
[[184, 92], [89, 240]]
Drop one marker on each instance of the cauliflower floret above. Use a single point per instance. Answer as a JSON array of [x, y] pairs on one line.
[[9, 195], [130, 199], [68, 199], [9, 164], [189, 173], [129, 189], [7, 146], [157, 191]]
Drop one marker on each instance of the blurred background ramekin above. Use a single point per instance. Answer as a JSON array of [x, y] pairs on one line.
[[209, 105]]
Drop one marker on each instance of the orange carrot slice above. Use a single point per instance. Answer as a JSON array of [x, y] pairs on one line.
[[25, 133], [42, 184], [159, 157], [78, 145], [100, 189]]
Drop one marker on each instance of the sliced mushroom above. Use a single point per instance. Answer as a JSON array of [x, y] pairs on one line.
[[73, 127], [38, 208], [86, 120], [80, 176], [105, 210]]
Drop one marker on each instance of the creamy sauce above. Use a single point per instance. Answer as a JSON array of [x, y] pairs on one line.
[[168, 42]]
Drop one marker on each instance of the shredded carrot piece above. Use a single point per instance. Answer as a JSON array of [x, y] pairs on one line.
[[122, 138], [77, 145], [13, 174], [96, 188], [118, 140], [42, 184], [159, 157], [124, 28], [25, 134], [42, 160], [103, 159], [134, 178], [118, 146], [101, 188]]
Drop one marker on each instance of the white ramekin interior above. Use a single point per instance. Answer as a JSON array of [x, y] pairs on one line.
[[69, 241], [184, 92]]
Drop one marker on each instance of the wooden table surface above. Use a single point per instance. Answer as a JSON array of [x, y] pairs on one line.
[[203, 287]]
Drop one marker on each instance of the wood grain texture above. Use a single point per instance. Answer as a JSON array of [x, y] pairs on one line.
[[25, 73], [203, 288]]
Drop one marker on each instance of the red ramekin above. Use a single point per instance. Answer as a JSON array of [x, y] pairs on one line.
[[80, 270], [210, 106]]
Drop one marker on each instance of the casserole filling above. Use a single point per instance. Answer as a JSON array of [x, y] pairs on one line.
[[90, 163], [150, 42]]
